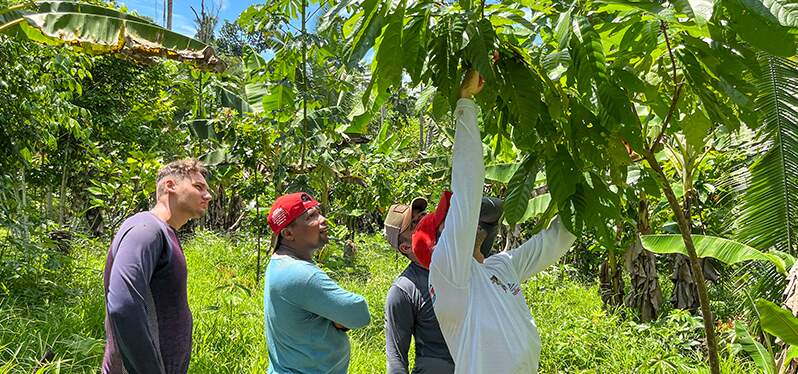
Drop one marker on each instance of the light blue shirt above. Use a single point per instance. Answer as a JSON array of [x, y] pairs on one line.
[[300, 305]]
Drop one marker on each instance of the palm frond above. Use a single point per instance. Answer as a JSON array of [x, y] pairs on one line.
[[769, 213]]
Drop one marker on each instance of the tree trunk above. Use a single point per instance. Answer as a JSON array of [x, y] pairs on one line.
[[258, 226], [169, 7], [94, 217], [695, 265], [685, 291], [62, 191], [421, 145], [511, 238], [646, 295], [22, 207], [48, 210], [611, 279], [610, 282]]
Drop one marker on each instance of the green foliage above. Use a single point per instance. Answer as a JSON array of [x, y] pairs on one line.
[[518, 191], [769, 212], [577, 334], [777, 321], [761, 356], [755, 23]]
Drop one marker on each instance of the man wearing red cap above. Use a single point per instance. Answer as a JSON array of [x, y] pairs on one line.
[[306, 313], [408, 308], [478, 301]]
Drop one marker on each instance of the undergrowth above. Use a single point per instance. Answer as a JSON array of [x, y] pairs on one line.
[[64, 333]]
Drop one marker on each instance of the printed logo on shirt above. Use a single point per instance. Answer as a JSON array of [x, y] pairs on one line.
[[497, 282], [513, 288]]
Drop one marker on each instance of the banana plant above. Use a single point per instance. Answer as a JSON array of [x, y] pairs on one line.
[[777, 322], [95, 29], [726, 251]]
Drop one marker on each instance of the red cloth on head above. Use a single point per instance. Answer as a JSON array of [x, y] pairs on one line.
[[425, 237]]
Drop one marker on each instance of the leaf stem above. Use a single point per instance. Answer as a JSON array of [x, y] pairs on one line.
[[677, 86]]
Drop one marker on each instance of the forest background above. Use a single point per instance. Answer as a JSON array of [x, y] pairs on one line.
[[665, 135]]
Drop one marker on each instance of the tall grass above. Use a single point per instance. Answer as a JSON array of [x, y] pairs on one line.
[[578, 335]]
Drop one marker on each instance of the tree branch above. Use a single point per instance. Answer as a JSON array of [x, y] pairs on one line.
[[677, 86]]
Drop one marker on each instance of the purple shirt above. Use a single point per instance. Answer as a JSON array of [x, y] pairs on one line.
[[147, 319]]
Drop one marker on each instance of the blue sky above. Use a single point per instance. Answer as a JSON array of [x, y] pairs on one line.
[[183, 17]]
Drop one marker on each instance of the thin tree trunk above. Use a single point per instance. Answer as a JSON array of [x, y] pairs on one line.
[[64, 176], [304, 82], [48, 210], [611, 280], [23, 212], [421, 145], [687, 237], [258, 226], [511, 239], [169, 7]]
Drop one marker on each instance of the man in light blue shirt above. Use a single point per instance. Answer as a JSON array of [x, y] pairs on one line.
[[306, 313]]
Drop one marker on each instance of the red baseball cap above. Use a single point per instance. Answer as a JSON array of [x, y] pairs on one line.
[[426, 235], [289, 207]]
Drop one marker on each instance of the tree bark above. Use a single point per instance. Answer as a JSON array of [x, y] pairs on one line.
[[421, 123], [611, 280], [62, 191], [646, 295], [169, 7], [695, 265]]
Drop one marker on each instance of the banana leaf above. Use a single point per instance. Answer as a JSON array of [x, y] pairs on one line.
[[777, 321], [98, 30], [725, 250]]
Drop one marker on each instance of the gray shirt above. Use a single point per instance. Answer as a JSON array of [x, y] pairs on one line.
[[409, 313], [148, 322]]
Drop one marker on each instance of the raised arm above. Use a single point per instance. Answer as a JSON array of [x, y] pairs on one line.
[[324, 297], [454, 252], [129, 297], [542, 250]]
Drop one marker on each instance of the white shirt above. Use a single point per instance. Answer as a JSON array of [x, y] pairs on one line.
[[480, 307]]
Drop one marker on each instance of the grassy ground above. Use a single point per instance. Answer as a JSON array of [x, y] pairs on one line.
[[578, 335]]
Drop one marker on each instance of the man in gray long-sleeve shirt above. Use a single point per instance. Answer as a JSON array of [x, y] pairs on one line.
[[148, 322], [408, 309]]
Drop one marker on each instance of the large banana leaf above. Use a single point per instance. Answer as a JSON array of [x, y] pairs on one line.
[[777, 321], [761, 356], [769, 214], [98, 30], [725, 250]]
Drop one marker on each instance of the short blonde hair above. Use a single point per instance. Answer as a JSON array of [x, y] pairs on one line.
[[179, 169]]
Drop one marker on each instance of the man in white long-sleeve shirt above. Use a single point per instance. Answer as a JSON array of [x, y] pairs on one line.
[[478, 301]]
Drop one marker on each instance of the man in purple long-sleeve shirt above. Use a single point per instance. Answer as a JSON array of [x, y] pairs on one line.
[[148, 322]]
